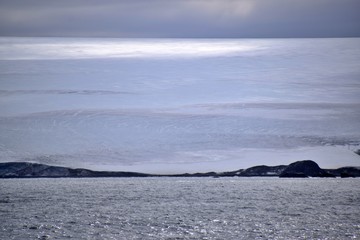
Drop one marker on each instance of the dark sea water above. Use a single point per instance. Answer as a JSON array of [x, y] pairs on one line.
[[180, 208]]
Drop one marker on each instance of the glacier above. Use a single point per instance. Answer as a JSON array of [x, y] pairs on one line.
[[179, 105]]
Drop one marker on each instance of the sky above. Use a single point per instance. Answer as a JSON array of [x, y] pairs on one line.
[[180, 18]]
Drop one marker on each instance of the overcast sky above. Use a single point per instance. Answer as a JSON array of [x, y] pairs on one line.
[[180, 18]]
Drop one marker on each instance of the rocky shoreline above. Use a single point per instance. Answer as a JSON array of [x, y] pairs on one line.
[[299, 169]]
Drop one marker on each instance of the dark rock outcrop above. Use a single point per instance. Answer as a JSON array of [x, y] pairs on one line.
[[207, 174], [263, 171], [345, 171], [257, 171], [301, 169], [357, 152], [306, 168], [293, 175], [35, 170], [346, 175]]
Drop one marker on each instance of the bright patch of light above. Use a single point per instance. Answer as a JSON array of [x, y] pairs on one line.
[[116, 48]]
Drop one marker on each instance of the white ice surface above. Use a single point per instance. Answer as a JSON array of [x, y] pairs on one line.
[[176, 105]]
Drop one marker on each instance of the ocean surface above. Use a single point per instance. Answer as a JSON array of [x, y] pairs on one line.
[[180, 208], [177, 105]]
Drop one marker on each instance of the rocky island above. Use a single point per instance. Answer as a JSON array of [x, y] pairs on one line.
[[299, 169]]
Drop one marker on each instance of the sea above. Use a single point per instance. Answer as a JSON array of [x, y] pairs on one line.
[[179, 105], [180, 208]]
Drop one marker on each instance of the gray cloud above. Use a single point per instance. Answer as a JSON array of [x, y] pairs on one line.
[[181, 18]]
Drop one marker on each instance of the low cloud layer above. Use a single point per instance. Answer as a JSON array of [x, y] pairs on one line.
[[181, 18]]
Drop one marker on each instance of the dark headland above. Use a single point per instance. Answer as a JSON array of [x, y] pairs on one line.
[[300, 169]]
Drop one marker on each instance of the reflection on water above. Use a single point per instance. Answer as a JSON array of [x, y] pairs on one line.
[[180, 208]]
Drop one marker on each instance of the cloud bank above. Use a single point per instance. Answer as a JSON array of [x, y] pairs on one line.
[[181, 18]]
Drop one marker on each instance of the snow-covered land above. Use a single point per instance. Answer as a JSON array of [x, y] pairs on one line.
[[179, 105]]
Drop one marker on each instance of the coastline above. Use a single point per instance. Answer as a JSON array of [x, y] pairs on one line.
[[299, 169]]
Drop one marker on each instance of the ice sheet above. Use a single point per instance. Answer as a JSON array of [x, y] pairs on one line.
[[127, 103]]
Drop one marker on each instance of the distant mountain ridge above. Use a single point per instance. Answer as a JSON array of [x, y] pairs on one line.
[[305, 168]]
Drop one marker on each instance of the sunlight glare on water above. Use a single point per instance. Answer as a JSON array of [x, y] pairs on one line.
[[180, 208]]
